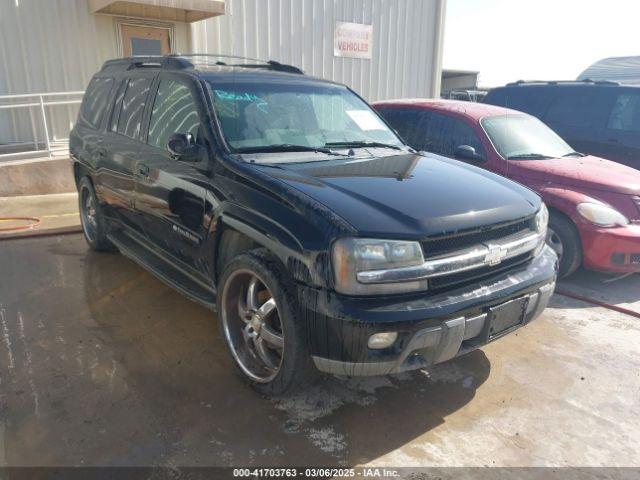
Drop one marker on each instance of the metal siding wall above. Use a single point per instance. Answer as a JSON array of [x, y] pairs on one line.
[[53, 46], [300, 32]]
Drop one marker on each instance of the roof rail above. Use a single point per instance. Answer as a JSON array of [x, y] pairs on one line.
[[561, 82], [179, 61], [267, 64], [151, 61]]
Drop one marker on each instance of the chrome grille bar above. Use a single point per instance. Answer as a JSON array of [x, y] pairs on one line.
[[483, 255]]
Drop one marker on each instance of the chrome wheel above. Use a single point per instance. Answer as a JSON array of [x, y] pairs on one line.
[[555, 242], [88, 214], [252, 326]]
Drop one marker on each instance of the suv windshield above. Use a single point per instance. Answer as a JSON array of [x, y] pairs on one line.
[[268, 117], [521, 137]]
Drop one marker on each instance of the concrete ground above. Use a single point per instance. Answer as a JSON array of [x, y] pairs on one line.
[[38, 214], [620, 290], [101, 364]]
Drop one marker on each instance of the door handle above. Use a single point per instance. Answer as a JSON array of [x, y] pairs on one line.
[[613, 141], [143, 170]]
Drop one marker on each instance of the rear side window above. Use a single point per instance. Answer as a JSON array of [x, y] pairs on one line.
[[626, 113], [94, 102], [174, 111], [577, 108], [409, 123], [133, 107]]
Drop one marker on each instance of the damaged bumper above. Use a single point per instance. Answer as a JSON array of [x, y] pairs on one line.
[[431, 329]]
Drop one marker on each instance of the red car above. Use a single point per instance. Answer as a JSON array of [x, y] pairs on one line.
[[594, 203]]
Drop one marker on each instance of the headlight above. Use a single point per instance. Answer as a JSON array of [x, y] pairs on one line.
[[353, 255], [542, 219], [602, 215]]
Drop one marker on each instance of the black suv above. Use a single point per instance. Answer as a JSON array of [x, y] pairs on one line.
[[289, 206], [600, 118]]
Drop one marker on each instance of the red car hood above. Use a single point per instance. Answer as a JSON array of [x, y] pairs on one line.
[[587, 172]]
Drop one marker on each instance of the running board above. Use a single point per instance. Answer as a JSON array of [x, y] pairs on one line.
[[163, 270]]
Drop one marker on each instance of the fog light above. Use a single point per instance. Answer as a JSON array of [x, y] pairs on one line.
[[382, 340]]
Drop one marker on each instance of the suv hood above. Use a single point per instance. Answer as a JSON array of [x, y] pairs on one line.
[[581, 172], [409, 195]]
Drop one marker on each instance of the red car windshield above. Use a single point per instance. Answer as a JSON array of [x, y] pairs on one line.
[[522, 137]]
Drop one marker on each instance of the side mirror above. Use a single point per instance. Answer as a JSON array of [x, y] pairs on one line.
[[466, 152], [183, 147]]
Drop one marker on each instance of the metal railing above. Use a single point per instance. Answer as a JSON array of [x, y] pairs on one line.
[[39, 102]]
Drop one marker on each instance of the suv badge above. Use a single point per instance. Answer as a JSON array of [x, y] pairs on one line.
[[495, 255]]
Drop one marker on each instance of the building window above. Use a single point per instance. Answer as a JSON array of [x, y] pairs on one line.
[[144, 39]]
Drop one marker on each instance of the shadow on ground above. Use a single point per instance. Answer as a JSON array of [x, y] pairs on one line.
[[108, 366]]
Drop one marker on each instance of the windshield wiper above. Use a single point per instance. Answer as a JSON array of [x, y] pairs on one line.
[[286, 147], [576, 154], [529, 156], [362, 143]]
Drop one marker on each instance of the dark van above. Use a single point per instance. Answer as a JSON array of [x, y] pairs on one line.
[[600, 118]]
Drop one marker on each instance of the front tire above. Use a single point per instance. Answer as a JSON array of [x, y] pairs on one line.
[[261, 325], [93, 223], [563, 238]]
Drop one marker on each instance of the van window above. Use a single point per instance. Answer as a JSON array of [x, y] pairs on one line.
[[133, 107], [174, 111], [532, 100], [626, 113], [575, 108], [94, 102]]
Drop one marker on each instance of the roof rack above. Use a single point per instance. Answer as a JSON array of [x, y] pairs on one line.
[[561, 82], [179, 61]]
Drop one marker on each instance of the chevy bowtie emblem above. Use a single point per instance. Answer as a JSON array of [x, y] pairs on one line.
[[495, 255]]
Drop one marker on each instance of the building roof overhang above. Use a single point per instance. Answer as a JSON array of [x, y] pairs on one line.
[[168, 10]]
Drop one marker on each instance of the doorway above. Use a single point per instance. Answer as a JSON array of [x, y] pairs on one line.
[[145, 40]]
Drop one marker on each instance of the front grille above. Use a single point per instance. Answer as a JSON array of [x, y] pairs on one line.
[[471, 276], [635, 258], [450, 244], [436, 246]]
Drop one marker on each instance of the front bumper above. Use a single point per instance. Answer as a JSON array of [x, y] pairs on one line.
[[611, 249], [431, 329]]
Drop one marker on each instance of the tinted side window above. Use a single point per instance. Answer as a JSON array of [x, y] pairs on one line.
[[117, 105], [576, 108], [532, 100], [626, 113], [410, 123], [445, 134], [133, 106], [463, 134], [174, 111], [94, 102]]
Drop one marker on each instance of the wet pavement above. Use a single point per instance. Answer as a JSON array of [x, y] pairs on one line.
[[102, 364]]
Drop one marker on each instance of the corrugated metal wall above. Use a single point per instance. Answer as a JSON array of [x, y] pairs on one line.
[[53, 46], [407, 40]]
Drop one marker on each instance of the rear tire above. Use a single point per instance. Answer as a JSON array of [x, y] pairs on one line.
[[261, 324], [563, 238], [94, 225]]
